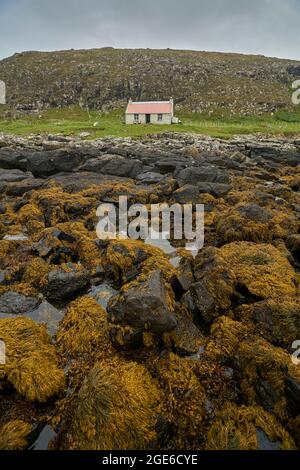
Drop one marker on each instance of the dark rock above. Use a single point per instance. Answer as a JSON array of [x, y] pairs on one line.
[[2, 208], [63, 284], [255, 212], [113, 165], [170, 165], [203, 301], [15, 303], [292, 391], [13, 159], [215, 189], [185, 274], [208, 174], [186, 336], [46, 163], [186, 194], [150, 178], [12, 176], [143, 307], [22, 187]]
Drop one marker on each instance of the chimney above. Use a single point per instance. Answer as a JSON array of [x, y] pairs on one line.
[[130, 100]]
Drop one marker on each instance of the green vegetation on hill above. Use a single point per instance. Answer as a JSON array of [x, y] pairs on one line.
[[201, 82], [73, 120]]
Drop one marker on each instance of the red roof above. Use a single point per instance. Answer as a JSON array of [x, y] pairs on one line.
[[149, 107]]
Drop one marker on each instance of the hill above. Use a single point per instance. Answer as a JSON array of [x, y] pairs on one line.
[[201, 82]]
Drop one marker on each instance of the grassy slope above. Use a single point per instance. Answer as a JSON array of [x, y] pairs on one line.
[[73, 120]]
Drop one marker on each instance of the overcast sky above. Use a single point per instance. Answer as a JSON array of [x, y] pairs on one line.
[[269, 27]]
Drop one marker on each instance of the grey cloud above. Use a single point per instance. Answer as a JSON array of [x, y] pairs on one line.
[[270, 27]]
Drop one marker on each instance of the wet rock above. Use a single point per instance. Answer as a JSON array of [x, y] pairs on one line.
[[63, 283], [187, 194], [255, 212], [113, 165], [149, 178], [2, 208], [13, 159], [12, 176], [215, 189], [186, 337], [15, 303], [46, 314], [22, 187], [43, 164], [207, 174], [143, 307], [185, 273]]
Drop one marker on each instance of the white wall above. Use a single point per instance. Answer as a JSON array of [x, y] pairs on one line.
[[166, 119]]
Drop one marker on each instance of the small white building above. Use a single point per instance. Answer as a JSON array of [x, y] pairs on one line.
[[150, 112]]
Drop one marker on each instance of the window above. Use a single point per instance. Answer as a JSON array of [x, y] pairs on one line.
[[159, 117], [136, 117]]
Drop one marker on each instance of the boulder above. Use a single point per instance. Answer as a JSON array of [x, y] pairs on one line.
[[215, 189], [46, 163], [14, 303], [207, 174], [65, 281], [113, 165], [143, 307], [12, 159], [149, 178]]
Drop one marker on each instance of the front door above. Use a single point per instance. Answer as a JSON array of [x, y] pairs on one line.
[[148, 118]]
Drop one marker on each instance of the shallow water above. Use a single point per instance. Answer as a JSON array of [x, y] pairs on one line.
[[44, 439]]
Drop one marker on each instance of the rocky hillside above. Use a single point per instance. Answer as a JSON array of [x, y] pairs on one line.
[[104, 78]]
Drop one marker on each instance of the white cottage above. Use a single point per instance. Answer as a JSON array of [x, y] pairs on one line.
[[150, 112]]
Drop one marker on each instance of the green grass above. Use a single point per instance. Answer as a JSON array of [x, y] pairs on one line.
[[73, 120]]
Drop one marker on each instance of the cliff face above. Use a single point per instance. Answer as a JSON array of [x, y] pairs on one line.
[[105, 78]]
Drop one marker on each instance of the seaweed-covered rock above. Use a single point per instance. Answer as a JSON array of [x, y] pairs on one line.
[[83, 328], [31, 361], [240, 272], [247, 428], [13, 435], [277, 320], [117, 408], [183, 404], [129, 258], [186, 338], [251, 222], [143, 306], [65, 281], [261, 369]]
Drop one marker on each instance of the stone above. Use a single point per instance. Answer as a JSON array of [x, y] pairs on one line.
[[143, 307], [64, 283], [14, 303], [207, 174], [149, 178]]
